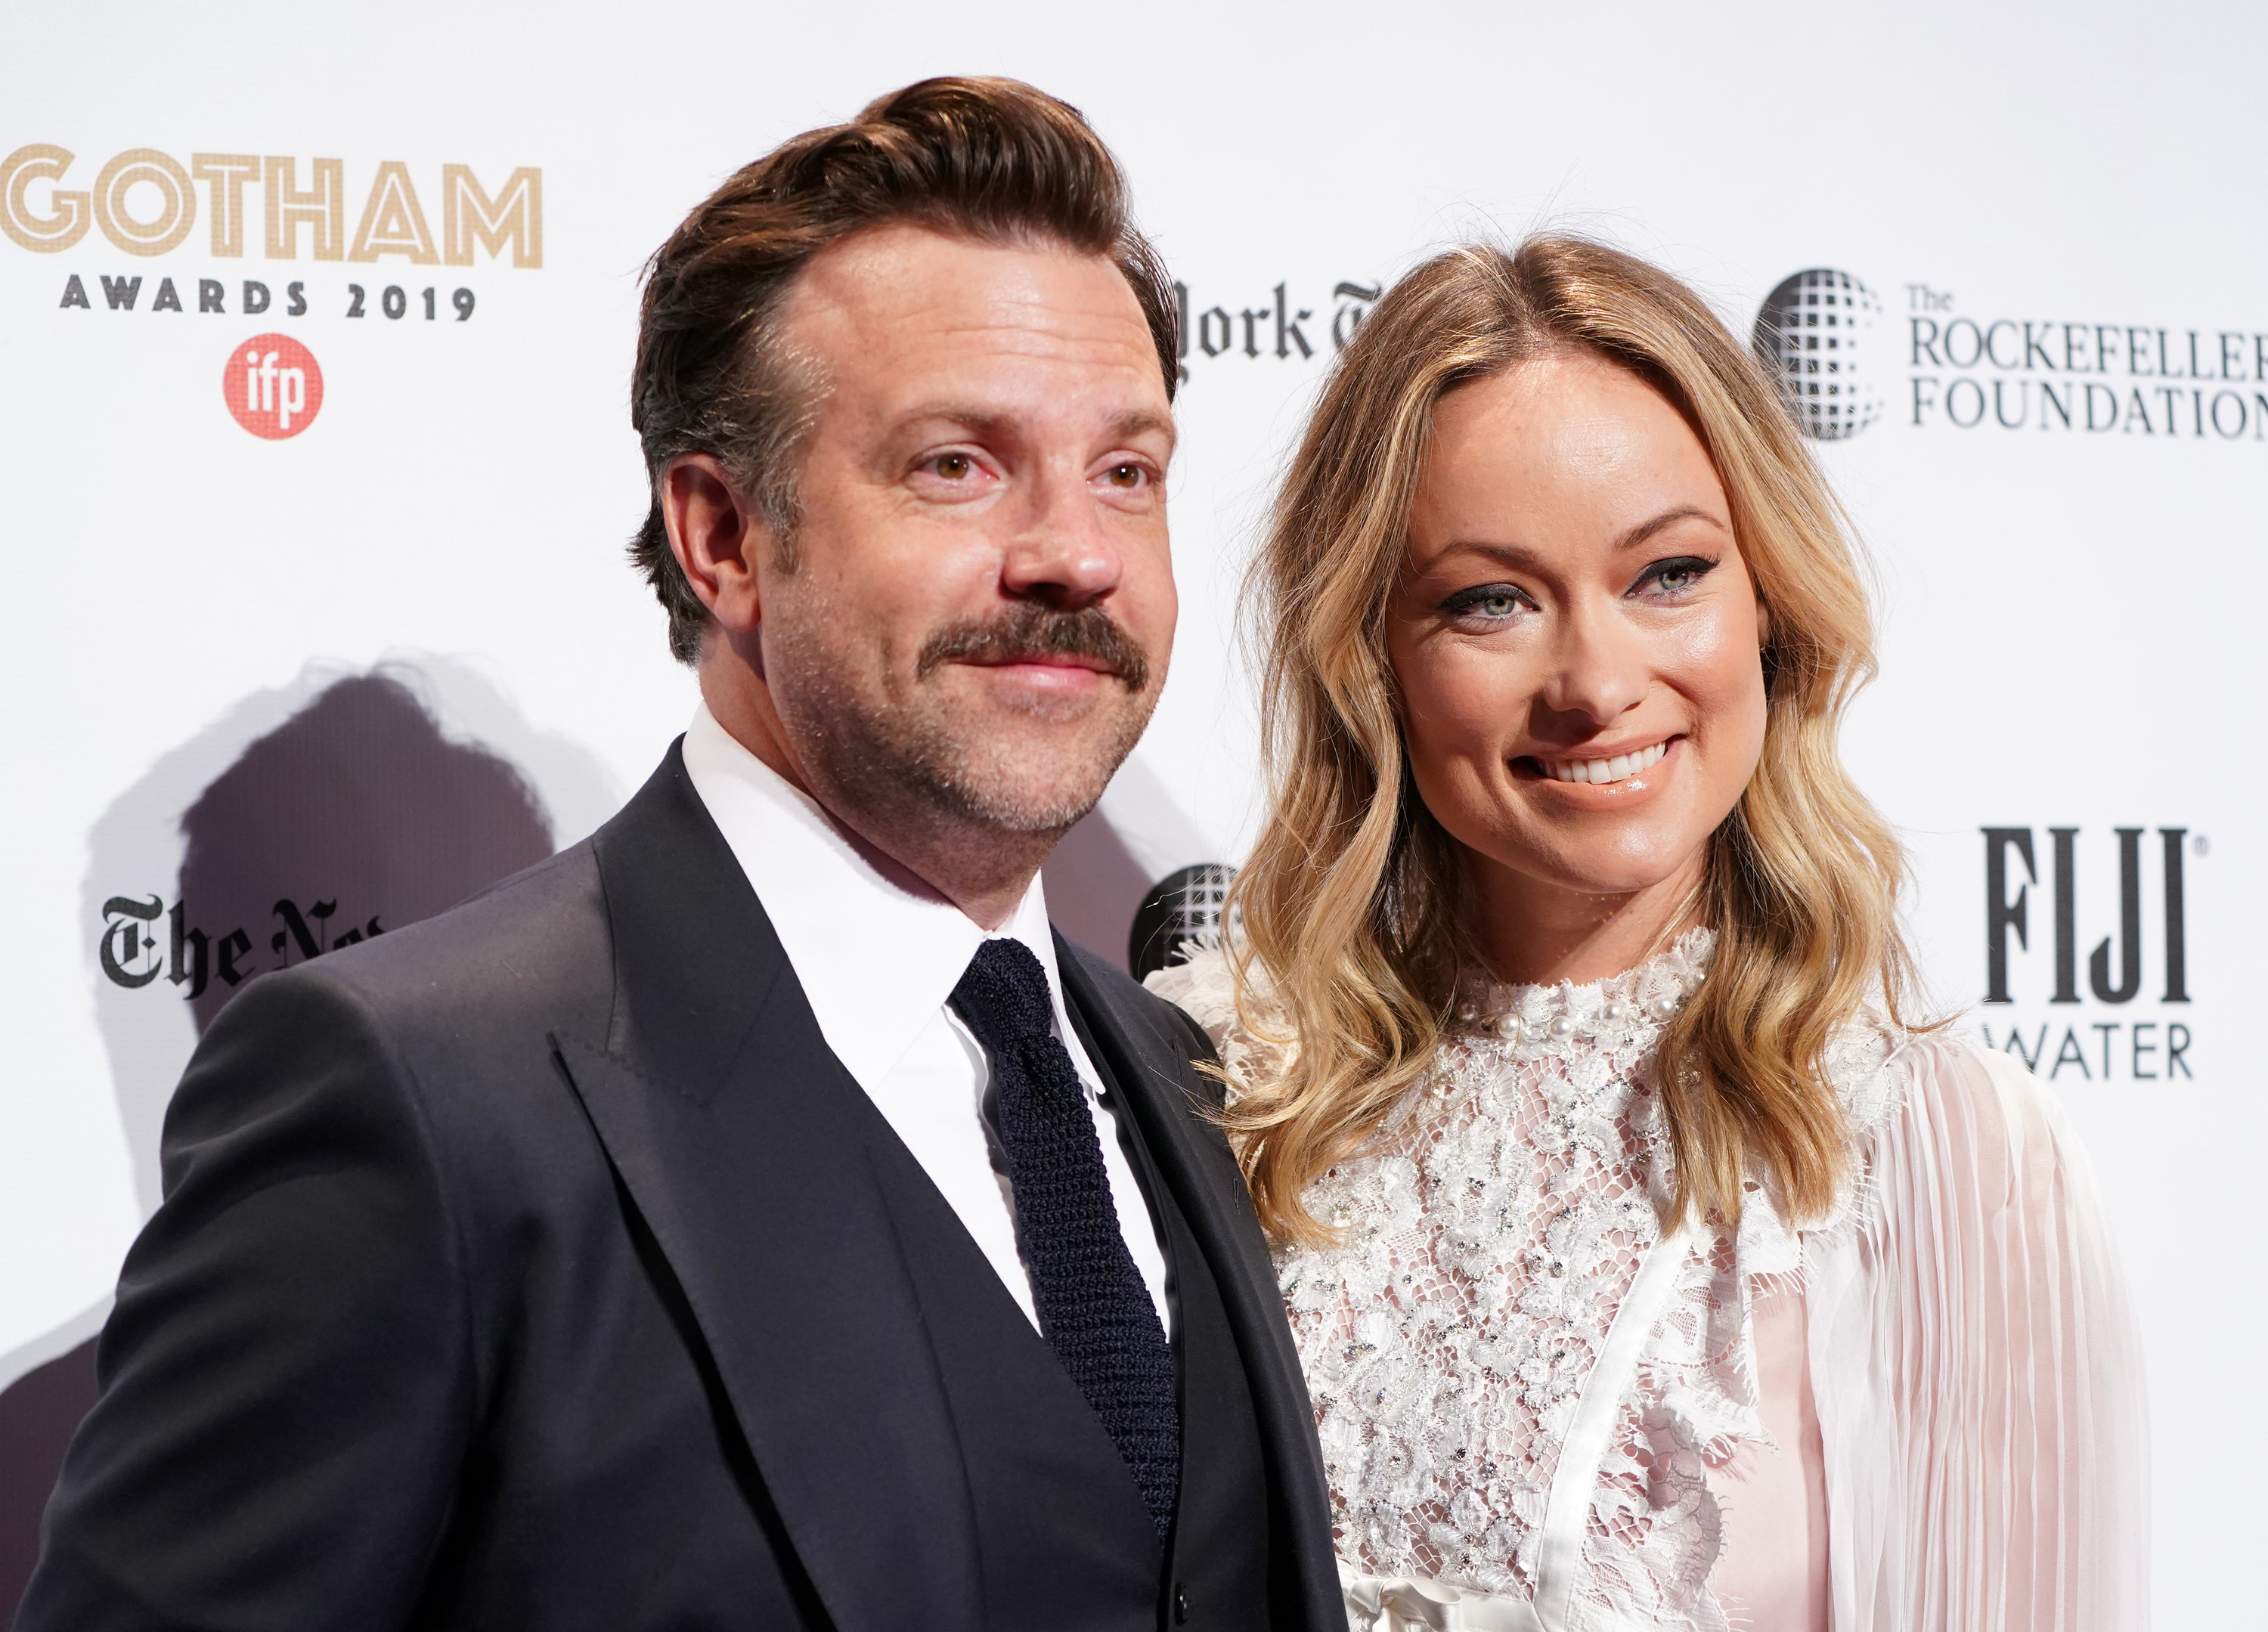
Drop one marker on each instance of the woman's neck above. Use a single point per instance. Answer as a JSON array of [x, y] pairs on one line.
[[1537, 933]]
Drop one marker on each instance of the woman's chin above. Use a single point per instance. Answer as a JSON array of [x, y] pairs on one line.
[[1624, 882], [1598, 863]]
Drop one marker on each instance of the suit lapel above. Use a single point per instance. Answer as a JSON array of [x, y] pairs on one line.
[[726, 1115], [1151, 1060], [1155, 1069]]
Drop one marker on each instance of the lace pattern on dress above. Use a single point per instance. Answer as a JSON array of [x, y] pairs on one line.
[[1488, 1235]]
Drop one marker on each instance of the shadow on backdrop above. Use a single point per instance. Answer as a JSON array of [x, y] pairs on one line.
[[1138, 842], [356, 813], [1092, 887]]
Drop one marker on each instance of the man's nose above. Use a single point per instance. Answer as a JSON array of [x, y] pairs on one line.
[[1602, 668], [1061, 552]]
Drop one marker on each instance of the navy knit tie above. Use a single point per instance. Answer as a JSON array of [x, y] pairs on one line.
[[1094, 1309]]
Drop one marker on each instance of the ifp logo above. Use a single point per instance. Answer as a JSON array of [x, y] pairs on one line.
[[273, 386]]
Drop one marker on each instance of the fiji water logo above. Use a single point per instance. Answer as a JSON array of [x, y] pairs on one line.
[[273, 386], [2137, 1031]]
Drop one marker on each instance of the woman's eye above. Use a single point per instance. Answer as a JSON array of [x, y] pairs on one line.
[[1128, 476], [1490, 602], [1676, 577]]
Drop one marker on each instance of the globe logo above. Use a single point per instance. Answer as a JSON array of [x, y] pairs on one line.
[[1810, 334]]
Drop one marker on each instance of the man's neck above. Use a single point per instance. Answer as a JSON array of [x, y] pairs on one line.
[[986, 874]]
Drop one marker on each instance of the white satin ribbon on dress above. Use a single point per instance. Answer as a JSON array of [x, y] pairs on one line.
[[1412, 1604], [1408, 1603]]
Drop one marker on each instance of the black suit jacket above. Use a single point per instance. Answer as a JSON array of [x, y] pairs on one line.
[[521, 1270]]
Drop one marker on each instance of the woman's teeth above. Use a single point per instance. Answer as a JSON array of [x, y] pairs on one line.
[[1603, 771]]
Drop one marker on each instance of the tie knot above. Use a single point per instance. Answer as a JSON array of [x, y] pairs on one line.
[[1003, 995]]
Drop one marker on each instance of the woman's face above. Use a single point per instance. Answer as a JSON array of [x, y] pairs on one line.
[[1576, 638]]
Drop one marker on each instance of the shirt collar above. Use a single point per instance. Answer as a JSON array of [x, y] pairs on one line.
[[876, 961]]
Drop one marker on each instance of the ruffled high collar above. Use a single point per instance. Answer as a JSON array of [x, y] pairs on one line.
[[1622, 1011]]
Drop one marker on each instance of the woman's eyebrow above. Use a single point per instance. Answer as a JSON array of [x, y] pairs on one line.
[[1645, 530], [1517, 557], [1520, 558]]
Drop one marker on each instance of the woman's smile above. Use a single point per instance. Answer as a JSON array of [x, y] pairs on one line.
[[1610, 767]]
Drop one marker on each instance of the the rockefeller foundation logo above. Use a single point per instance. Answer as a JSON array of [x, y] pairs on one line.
[[1811, 334], [1836, 357]]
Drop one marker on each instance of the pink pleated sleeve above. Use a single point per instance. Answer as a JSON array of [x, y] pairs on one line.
[[1977, 1371]]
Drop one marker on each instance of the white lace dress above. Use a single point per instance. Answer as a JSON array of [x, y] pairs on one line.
[[1531, 1405]]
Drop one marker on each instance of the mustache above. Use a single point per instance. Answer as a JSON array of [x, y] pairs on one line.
[[1029, 631]]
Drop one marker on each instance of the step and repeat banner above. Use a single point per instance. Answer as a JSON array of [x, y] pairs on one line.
[[316, 332]]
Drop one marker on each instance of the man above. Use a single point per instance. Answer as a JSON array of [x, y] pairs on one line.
[[754, 1217]]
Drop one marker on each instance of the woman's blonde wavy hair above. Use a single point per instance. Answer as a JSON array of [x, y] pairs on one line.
[[1349, 912]]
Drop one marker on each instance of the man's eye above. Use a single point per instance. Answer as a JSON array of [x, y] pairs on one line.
[[953, 466], [1126, 475]]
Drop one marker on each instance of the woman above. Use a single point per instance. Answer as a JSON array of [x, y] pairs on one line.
[[1651, 1264]]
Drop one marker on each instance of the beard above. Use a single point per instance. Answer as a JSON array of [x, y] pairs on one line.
[[969, 764]]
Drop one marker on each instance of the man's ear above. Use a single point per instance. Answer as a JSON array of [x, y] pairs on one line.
[[717, 537]]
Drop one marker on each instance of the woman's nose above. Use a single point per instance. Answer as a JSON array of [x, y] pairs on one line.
[[1602, 669]]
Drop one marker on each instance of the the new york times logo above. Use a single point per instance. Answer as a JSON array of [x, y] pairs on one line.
[[131, 956], [1280, 327], [2148, 875]]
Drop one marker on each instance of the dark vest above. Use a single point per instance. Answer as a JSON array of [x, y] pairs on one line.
[[1066, 1543]]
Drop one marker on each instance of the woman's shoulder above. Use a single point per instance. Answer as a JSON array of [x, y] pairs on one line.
[[1946, 1075], [1205, 987], [1202, 986], [1881, 1072], [1969, 1119], [1884, 1072]]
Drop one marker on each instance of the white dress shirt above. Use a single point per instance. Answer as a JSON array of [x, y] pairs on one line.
[[878, 964]]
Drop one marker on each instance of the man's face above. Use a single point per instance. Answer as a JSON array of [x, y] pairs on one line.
[[981, 603]]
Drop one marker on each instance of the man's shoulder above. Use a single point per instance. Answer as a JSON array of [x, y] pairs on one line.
[[1146, 1019], [429, 1043], [536, 941]]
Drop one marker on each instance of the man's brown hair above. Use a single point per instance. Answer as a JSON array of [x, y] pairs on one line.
[[991, 160]]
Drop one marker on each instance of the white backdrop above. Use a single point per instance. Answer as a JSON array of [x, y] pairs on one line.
[[2070, 612]]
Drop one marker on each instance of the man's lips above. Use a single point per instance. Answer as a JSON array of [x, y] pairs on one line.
[[1036, 676], [1042, 645], [1040, 660]]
